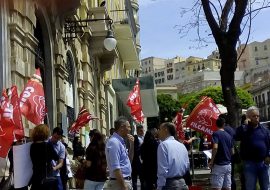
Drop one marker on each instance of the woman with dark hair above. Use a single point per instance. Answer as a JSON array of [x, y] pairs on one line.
[[149, 158], [95, 163], [42, 154]]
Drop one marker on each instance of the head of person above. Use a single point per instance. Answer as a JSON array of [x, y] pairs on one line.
[[57, 134], [140, 130], [92, 133], [76, 139], [224, 116], [112, 130], [243, 119], [98, 140], [253, 115], [40, 133], [150, 135], [220, 122], [122, 126], [165, 130]]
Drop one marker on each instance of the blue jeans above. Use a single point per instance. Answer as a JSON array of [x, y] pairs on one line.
[[254, 171], [59, 183], [93, 185]]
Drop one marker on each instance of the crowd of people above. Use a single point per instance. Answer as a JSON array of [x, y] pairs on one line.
[[156, 157]]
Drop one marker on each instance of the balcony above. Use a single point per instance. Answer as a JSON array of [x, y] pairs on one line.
[[67, 6], [125, 34], [98, 28], [99, 31]]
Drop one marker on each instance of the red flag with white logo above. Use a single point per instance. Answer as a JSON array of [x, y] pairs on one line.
[[203, 117], [14, 113], [135, 104], [83, 118], [179, 125], [6, 123], [6, 140], [32, 100]]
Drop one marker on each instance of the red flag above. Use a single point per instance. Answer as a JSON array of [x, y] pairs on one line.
[[203, 117], [134, 102], [178, 124], [6, 123], [6, 140], [32, 100], [83, 118]]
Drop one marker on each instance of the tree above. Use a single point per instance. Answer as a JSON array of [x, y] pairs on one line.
[[224, 18], [167, 106], [245, 98]]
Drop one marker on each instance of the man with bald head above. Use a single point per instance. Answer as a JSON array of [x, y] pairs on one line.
[[117, 156], [173, 161], [254, 150]]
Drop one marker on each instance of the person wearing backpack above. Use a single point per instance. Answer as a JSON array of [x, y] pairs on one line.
[[254, 150]]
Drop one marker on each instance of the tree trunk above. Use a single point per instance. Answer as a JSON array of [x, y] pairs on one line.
[[228, 55]]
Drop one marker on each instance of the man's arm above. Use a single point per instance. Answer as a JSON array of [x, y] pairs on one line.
[[120, 179], [131, 147], [59, 164], [163, 166], [214, 150], [62, 156], [214, 153]]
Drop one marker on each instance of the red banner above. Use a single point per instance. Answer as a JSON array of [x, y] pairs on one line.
[[134, 102], [7, 121], [203, 117], [83, 118], [32, 100], [178, 124], [6, 140]]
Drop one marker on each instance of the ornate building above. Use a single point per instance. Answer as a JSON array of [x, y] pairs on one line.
[[76, 68]]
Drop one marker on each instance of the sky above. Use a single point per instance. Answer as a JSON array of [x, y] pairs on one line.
[[159, 35]]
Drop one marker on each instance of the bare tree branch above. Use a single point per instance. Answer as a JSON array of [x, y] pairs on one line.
[[224, 15], [249, 29], [258, 9], [210, 19], [220, 5], [234, 27]]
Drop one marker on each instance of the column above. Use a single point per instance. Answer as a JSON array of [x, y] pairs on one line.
[[4, 52]]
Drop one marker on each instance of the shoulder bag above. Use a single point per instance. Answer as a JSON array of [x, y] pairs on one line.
[[49, 182]]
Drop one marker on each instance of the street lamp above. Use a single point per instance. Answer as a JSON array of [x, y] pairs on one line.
[[73, 27]]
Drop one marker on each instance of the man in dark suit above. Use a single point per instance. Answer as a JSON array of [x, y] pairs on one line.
[[137, 162]]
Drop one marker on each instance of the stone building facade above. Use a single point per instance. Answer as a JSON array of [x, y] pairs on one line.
[[76, 72]]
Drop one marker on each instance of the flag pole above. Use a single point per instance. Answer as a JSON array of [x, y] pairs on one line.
[[48, 121]]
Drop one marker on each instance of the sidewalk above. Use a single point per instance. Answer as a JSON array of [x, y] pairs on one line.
[[202, 178]]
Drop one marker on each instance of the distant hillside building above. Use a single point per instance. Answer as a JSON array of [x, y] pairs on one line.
[[255, 54], [187, 74]]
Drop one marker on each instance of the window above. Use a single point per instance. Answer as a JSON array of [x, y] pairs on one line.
[[265, 47], [162, 80], [256, 49], [257, 62], [263, 98], [256, 100], [149, 69], [268, 97], [155, 74]]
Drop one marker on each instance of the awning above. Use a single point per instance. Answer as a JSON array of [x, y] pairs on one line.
[[123, 87]]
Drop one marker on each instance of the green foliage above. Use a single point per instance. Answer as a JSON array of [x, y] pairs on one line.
[[191, 100], [167, 106]]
